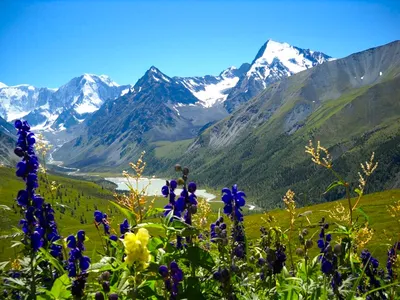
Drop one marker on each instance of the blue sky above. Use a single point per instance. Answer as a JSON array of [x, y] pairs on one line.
[[46, 43]]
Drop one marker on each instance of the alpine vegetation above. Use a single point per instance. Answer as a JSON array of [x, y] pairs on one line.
[[175, 252]]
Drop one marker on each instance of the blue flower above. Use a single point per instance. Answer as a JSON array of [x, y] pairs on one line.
[[165, 191], [36, 240], [101, 218], [84, 263], [81, 236], [124, 227], [173, 184], [71, 241], [234, 200], [71, 269], [172, 277], [22, 198], [192, 187], [326, 266], [113, 237], [98, 216]]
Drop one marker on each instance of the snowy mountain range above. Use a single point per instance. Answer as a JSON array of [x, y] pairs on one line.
[[273, 62], [213, 96], [57, 109]]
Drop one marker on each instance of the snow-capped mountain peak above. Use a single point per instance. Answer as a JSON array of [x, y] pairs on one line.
[[284, 58], [273, 62], [2, 85]]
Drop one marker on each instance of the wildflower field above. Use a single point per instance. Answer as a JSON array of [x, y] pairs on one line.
[[64, 238]]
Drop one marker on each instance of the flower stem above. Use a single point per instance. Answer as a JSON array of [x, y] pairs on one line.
[[33, 283]]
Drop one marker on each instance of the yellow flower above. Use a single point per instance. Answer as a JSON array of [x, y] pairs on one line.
[[136, 248]]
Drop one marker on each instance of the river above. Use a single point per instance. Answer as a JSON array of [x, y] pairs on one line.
[[154, 188]]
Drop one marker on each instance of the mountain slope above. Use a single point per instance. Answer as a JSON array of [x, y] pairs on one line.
[[7, 142], [352, 105], [273, 61], [123, 127]]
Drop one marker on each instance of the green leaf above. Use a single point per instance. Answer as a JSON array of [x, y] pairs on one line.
[[361, 211], [147, 289], [16, 244], [59, 289], [151, 225], [155, 243], [3, 264], [359, 192], [199, 257], [56, 264], [193, 290], [333, 185], [153, 212], [4, 207], [131, 217], [189, 231]]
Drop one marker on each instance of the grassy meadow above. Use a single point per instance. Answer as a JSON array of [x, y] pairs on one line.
[[81, 198]]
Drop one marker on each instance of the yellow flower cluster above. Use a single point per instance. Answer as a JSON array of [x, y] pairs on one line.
[[362, 236], [288, 199], [136, 248], [317, 157], [203, 211]]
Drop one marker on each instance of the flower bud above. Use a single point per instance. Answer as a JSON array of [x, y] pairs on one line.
[[299, 252], [106, 286], [178, 168], [19, 152], [309, 244], [337, 249], [180, 181], [304, 232], [99, 296], [185, 171], [106, 276], [113, 297], [193, 209]]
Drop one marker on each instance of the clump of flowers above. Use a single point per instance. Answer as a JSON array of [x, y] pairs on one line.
[[78, 264], [203, 212], [136, 248], [218, 232], [39, 224], [371, 265], [233, 201], [392, 260], [172, 276], [101, 219], [135, 201]]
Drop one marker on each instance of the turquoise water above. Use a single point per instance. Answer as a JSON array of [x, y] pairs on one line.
[[154, 186]]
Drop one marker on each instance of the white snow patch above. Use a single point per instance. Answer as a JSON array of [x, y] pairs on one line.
[[2, 85], [214, 93], [177, 111], [380, 73], [125, 91], [61, 127], [362, 77], [85, 107], [13, 115]]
